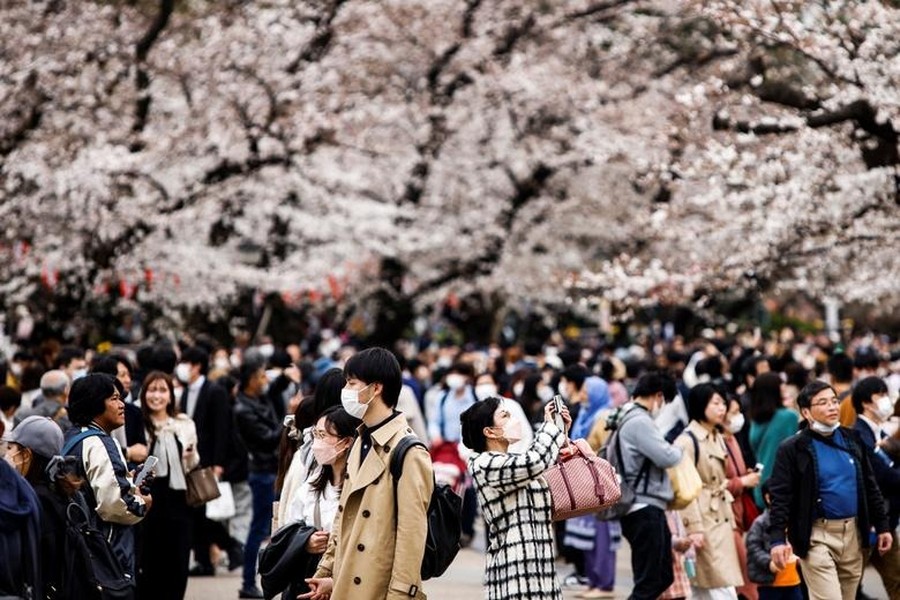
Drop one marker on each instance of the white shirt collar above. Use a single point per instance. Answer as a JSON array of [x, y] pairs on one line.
[[195, 387], [875, 427]]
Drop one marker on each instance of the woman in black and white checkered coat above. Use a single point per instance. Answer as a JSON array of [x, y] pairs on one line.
[[515, 500]]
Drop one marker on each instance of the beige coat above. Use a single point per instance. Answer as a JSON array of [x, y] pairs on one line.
[[368, 556], [710, 514]]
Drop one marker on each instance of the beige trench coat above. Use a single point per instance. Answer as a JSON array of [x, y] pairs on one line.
[[710, 514], [368, 556]]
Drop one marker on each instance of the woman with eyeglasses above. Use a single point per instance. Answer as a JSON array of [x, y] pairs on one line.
[[315, 502]]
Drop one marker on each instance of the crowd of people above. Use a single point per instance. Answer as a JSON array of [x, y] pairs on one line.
[[795, 440]]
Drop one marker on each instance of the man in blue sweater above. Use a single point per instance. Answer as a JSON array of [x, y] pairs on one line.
[[825, 501]]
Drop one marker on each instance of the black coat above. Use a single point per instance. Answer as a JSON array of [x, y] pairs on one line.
[[211, 416], [260, 431], [794, 489], [888, 477]]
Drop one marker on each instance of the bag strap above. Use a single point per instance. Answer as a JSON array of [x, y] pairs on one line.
[[442, 418], [77, 439], [696, 445], [643, 472]]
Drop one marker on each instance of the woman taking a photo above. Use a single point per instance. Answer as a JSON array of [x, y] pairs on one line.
[[709, 519], [514, 499], [171, 438]]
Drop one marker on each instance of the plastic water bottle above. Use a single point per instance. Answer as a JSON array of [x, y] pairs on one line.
[[690, 567]]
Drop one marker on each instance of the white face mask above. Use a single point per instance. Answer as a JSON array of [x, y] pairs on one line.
[[267, 350], [78, 374], [884, 408], [350, 402], [545, 393], [822, 428], [736, 423], [563, 390], [512, 431], [222, 364], [485, 390], [183, 372], [456, 381], [518, 389]]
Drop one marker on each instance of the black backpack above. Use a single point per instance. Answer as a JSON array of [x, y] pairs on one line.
[[91, 564], [444, 516]]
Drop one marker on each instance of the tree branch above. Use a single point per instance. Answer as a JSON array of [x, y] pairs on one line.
[[142, 78]]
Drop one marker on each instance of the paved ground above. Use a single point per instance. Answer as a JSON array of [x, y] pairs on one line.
[[463, 580]]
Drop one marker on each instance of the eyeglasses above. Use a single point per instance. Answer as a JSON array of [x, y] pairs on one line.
[[827, 402], [322, 434]]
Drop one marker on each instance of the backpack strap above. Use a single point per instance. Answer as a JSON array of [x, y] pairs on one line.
[[396, 464], [643, 472], [77, 439]]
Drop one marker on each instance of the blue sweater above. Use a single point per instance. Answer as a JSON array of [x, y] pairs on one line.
[[837, 479]]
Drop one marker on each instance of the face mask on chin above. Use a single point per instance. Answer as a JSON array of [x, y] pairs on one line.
[[823, 428]]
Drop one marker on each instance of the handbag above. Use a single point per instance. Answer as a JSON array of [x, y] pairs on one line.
[[686, 482], [201, 486], [751, 511], [221, 508], [581, 483]]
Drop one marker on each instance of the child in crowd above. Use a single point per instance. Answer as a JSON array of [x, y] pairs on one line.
[[773, 584]]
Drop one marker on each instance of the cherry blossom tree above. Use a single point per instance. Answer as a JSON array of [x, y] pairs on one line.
[[381, 155]]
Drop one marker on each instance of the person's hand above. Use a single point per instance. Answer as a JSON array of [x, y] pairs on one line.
[[682, 545], [137, 453], [550, 412], [320, 588], [218, 471], [436, 440], [773, 567], [147, 498], [750, 479], [781, 555], [293, 373], [698, 540], [885, 541], [317, 542]]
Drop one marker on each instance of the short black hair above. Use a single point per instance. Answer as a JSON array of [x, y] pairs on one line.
[[377, 365], [474, 419], [841, 368], [87, 398], [866, 358], [195, 355], [699, 398], [328, 391], [9, 397], [576, 374], [804, 398], [67, 355], [246, 372], [109, 364], [865, 389], [655, 382], [162, 359], [463, 368]]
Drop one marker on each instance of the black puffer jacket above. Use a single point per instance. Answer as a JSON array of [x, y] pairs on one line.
[[260, 431]]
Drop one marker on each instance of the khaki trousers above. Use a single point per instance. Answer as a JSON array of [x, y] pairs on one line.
[[835, 560], [888, 566]]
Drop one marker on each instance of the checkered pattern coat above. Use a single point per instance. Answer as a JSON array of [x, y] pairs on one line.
[[516, 505]]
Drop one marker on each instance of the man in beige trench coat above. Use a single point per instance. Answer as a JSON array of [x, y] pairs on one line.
[[374, 554]]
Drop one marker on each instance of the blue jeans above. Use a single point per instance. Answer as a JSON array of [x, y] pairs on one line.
[[262, 487]]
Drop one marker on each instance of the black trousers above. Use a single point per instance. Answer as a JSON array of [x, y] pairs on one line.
[[206, 533], [166, 545], [651, 552]]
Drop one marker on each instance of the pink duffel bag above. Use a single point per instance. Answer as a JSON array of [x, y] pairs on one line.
[[581, 483]]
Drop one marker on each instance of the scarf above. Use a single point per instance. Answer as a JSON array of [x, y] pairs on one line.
[[166, 450]]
